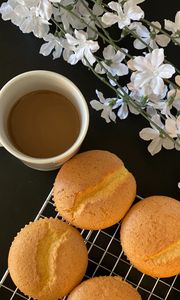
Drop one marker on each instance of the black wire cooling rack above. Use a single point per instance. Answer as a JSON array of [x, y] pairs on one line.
[[105, 258]]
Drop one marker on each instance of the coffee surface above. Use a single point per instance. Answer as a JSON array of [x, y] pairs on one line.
[[43, 124]]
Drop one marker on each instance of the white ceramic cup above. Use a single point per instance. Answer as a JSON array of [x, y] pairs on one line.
[[41, 80]]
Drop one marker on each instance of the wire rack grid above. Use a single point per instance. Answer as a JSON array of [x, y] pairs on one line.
[[106, 257]]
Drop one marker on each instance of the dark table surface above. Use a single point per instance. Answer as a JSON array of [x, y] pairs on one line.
[[23, 190]]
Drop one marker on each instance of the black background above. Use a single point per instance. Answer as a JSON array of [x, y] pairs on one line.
[[23, 190]]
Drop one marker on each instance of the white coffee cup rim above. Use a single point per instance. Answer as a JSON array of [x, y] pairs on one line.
[[78, 141]]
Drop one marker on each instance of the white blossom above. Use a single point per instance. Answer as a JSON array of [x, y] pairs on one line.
[[123, 14], [104, 105], [32, 22], [146, 92], [8, 13], [174, 27], [82, 48], [151, 38], [158, 141], [54, 44], [112, 62], [30, 16], [150, 72]]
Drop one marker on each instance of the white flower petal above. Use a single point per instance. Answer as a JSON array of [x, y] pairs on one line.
[[46, 48], [26, 25], [99, 69], [17, 20], [122, 70], [123, 111], [170, 126], [157, 119], [89, 56], [96, 105], [133, 12], [138, 44], [125, 21], [22, 11], [57, 52], [155, 146], [177, 79], [157, 85], [80, 35], [105, 115], [177, 20], [71, 40], [97, 9], [109, 19], [142, 31], [153, 44], [133, 110], [39, 28], [166, 71], [141, 79], [119, 56], [100, 96], [108, 52], [112, 116], [148, 134], [45, 9], [167, 144], [115, 6], [139, 63], [66, 54], [7, 11], [130, 64], [162, 40], [157, 57], [73, 59], [169, 25]]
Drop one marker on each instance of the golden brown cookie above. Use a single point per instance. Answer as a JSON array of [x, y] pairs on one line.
[[150, 236], [94, 190], [47, 259], [104, 288]]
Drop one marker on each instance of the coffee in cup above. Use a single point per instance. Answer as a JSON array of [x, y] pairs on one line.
[[43, 118]]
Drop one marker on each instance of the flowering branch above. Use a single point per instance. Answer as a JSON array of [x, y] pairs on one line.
[[121, 92], [82, 30], [105, 38]]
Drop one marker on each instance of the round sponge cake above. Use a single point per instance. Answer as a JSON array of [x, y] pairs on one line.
[[104, 288], [94, 190], [150, 236], [47, 259]]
